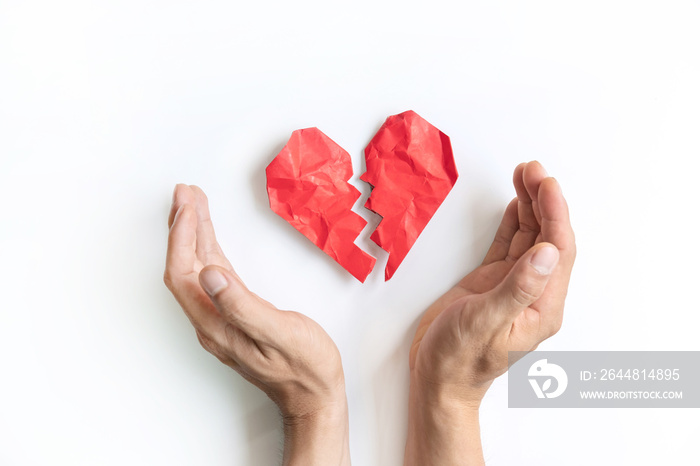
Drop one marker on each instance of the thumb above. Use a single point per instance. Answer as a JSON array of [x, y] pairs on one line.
[[235, 302], [526, 281]]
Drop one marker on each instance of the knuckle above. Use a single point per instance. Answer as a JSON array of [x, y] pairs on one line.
[[168, 279], [207, 344], [554, 326], [234, 310], [203, 341], [523, 294], [502, 238], [231, 332]]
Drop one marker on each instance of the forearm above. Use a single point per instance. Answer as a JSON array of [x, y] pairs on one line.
[[320, 438], [442, 431]]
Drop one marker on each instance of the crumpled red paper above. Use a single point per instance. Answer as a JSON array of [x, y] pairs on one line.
[[412, 169], [307, 186]]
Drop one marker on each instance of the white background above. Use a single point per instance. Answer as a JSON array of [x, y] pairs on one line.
[[104, 106]]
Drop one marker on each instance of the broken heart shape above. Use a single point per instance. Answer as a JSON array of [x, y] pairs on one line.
[[410, 167], [307, 186]]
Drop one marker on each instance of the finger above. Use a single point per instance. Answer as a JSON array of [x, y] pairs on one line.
[[528, 227], [504, 235], [208, 249], [556, 229], [182, 194], [533, 174], [173, 208], [238, 305], [526, 216], [524, 284], [181, 275], [180, 257], [556, 225]]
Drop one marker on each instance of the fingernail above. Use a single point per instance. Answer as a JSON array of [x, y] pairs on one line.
[[175, 193], [213, 282], [544, 259], [177, 214]]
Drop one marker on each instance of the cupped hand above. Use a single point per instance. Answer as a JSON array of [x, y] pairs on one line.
[[285, 354], [513, 301]]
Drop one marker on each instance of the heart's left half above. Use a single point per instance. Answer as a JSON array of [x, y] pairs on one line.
[[307, 186]]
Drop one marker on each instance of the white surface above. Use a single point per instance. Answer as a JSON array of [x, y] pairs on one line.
[[103, 108]]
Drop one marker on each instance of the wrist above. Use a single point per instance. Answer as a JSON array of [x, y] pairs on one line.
[[443, 425], [318, 437], [462, 394]]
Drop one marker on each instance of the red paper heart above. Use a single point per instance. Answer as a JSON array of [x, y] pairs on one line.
[[412, 169], [307, 186], [410, 166]]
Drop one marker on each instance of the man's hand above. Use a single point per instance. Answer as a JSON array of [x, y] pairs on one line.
[[285, 354], [513, 301]]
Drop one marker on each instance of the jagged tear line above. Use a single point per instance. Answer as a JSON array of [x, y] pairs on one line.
[[364, 240]]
